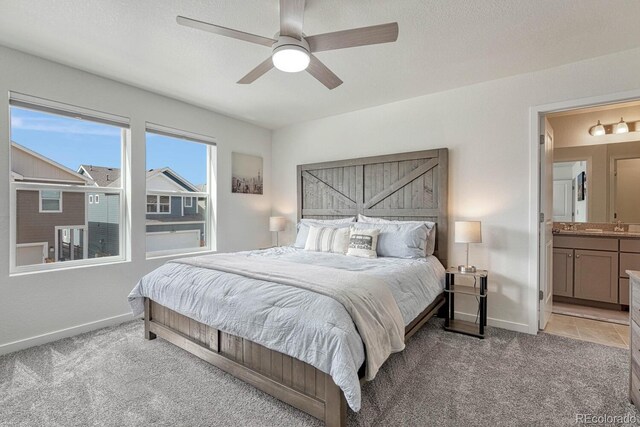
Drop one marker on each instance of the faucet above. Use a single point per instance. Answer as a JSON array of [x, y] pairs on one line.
[[618, 226]]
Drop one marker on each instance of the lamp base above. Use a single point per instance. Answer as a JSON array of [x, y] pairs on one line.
[[467, 268]]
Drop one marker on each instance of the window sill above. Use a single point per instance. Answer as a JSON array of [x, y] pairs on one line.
[[51, 268]]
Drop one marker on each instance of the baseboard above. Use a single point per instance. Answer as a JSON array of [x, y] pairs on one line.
[[63, 333], [498, 323]]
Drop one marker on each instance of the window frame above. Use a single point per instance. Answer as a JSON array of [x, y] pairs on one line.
[[90, 199], [210, 229], [41, 105], [47, 211], [157, 204], [96, 199], [184, 201]]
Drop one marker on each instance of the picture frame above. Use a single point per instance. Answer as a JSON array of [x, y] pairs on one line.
[[581, 184], [246, 174]]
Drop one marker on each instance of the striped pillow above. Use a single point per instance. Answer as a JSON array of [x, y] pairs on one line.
[[327, 239]]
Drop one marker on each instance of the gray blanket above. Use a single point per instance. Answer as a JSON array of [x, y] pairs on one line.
[[367, 299]]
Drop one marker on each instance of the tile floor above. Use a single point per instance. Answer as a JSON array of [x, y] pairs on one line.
[[613, 316], [612, 334]]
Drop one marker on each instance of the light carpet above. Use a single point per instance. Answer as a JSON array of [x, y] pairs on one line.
[[113, 377]]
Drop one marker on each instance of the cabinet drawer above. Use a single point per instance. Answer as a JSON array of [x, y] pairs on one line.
[[590, 243], [634, 308], [630, 245], [629, 262], [635, 348], [623, 291], [634, 389]]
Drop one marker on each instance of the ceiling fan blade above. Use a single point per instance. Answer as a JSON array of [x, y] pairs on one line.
[[253, 75], [223, 31], [324, 75], [376, 34], [291, 18]]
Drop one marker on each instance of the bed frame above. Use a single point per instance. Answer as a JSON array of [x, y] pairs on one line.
[[405, 186]]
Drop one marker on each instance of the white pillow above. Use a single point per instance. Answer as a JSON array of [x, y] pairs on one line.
[[363, 243], [431, 226], [304, 224], [327, 239], [400, 239]]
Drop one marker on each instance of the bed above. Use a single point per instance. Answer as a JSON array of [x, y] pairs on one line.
[[253, 311]]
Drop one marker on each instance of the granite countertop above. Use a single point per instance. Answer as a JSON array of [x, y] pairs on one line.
[[605, 233], [635, 275]]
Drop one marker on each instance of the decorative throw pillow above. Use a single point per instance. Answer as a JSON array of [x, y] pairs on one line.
[[399, 239], [304, 224], [431, 226], [327, 239], [363, 242]]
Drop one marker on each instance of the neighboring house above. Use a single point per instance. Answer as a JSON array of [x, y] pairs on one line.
[[50, 224], [175, 220], [103, 211]]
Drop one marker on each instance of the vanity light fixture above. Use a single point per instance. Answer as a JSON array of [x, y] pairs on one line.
[[621, 127], [597, 130]]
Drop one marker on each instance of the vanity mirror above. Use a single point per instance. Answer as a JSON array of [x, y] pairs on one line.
[[597, 183]]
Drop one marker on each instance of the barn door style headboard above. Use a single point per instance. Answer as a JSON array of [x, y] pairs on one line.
[[405, 186]]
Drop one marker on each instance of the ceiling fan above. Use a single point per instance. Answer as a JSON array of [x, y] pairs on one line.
[[292, 50]]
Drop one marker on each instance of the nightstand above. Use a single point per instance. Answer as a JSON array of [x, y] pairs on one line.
[[479, 292]]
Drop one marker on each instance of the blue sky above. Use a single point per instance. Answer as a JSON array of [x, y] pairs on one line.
[[72, 142]]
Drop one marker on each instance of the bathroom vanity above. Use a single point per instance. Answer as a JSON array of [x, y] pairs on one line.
[[590, 268]]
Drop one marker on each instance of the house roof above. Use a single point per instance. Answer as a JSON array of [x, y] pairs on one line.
[[102, 175], [39, 174], [110, 177]]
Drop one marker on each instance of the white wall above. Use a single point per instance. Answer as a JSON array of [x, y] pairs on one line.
[[68, 301], [487, 128]]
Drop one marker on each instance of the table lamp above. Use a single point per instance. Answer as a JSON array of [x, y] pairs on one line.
[[467, 232], [276, 223]]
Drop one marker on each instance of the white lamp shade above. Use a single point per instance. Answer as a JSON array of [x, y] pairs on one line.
[[468, 232], [277, 223], [622, 126]]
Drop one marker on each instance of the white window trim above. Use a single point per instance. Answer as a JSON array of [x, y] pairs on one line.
[[125, 201], [90, 199], [188, 198], [210, 229], [157, 203], [96, 199], [49, 211]]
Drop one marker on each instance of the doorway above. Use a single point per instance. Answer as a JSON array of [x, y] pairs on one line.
[[583, 291]]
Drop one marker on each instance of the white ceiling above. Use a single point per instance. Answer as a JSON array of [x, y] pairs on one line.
[[442, 44]]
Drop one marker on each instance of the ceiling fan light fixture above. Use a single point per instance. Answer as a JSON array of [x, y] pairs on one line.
[[291, 58], [622, 126]]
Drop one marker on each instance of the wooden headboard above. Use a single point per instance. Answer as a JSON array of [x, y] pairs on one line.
[[405, 186]]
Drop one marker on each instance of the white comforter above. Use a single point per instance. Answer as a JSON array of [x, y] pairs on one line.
[[308, 326]]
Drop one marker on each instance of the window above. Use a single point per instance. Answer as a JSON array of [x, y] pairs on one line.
[[179, 167], [158, 204], [60, 156], [50, 201]]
